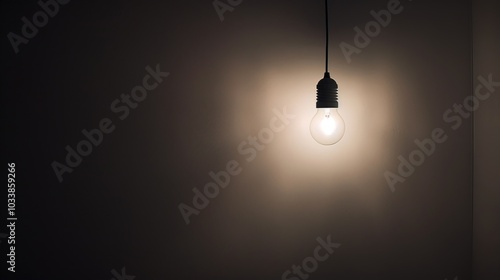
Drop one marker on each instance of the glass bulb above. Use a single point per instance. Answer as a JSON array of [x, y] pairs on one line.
[[327, 127]]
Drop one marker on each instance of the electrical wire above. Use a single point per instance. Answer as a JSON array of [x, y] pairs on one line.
[[327, 39]]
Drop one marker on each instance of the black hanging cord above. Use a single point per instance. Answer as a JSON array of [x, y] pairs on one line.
[[326, 29], [327, 88]]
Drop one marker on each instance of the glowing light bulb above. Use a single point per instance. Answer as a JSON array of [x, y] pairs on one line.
[[327, 127]]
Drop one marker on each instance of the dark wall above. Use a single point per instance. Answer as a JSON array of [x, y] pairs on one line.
[[486, 148], [119, 207]]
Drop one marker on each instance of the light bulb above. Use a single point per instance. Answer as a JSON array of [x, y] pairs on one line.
[[327, 127]]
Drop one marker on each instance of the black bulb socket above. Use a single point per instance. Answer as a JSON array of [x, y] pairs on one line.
[[327, 93]]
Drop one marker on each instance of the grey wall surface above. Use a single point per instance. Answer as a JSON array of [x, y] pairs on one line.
[[486, 147], [119, 207]]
